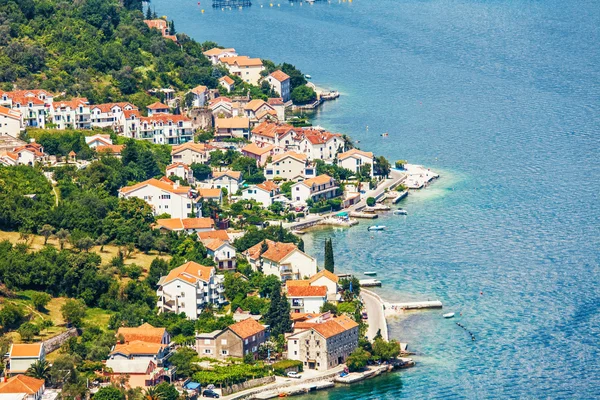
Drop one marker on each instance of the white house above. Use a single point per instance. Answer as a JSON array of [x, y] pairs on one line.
[[10, 122], [227, 83], [158, 108], [22, 355], [34, 105], [221, 107], [74, 113], [290, 166], [279, 107], [283, 260], [129, 124], [235, 127], [306, 299], [200, 94], [280, 82], [258, 110], [22, 387], [215, 54], [354, 159], [324, 345], [166, 129], [222, 253], [98, 140], [320, 187], [190, 152], [163, 196], [329, 280], [28, 154], [245, 67], [230, 180], [180, 170], [109, 115], [320, 145], [264, 193], [190, 288]]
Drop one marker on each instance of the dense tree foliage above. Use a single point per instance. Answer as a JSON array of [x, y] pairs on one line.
[[329, 260], [254, 236], [99, 49]]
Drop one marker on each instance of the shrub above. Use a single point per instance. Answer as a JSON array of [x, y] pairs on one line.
[[284, 366], [370, 201], [40, 300]]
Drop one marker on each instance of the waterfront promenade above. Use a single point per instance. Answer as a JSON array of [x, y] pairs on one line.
[[374, 306]]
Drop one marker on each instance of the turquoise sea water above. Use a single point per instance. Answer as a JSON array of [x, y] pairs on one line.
[[503, 99]]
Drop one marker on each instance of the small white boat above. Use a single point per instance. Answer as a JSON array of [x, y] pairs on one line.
[[370, 273], [376, 228], [400, 211], [308, 76], [449, 315]]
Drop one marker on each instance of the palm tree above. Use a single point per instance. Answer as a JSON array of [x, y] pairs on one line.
[[152, 393], [39, 369]]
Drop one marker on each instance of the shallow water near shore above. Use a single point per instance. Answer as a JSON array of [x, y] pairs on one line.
[[502, 98]]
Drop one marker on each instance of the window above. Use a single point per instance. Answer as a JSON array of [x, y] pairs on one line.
[[224, 352], [246, 341], [207, 351], [253, 338], [206, 341], [295, 353], [224, 342]]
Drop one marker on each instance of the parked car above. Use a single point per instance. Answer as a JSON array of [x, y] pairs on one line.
[[365, 315], [210, 393], [294, 374]]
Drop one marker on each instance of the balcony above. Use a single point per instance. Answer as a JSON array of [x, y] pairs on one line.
[[297, 303]]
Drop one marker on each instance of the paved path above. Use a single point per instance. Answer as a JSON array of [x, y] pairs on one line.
[[376, 313]]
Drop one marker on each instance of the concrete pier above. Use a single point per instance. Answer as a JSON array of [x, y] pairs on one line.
[[417, 305]]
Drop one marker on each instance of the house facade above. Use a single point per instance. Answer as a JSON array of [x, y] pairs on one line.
[[22, 355], [324, 345], [166, 129], [190, 288], [260, 153], [200, 96], [306, 299], [163, 196], [236, 340], [354, 159], [290, 166], [191, 152], [222, 253], [180, 170], [22, 387], [74, 114], [215, 54], [10, 122], [264, 193], [280, 82], [283, 260], [230, 180], [248, 69], [234, 127], [227, 83], [320, 187]]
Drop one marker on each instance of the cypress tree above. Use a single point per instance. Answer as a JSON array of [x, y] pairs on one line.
[[272, 316], [285, 320], [172, 30], [148, 13], [329, 261], [301, 245]]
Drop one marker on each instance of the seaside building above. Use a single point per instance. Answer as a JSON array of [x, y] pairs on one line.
[[75, 114], [22, 387], [163, 128], [260, 153], [243, 66], [234, 127], [11, 122], [109, 115], [227, 83], [290, 166], [264, 193], [280, 82], [190, 152], [164, 196], [317, 188], [200, 94], [279, 107], [180, 170], [305, 298], [324, 345], [28, 154], [33, 105], [258, 111], [354, 159], [215, 54], [189, 289], [158, 108], [283, 260], [236, 340], [22, 355], [222, 253], [187, 225], [98, 140], [230, 180]]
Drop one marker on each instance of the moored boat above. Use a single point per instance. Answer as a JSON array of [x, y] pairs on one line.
[[376, 228], [370, 273], [449, 315], [400, 211]]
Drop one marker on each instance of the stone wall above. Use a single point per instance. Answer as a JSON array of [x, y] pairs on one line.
[[201, 118], [248, 385], [54, 343]]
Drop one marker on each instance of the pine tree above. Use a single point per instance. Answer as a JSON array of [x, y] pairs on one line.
[[329, 261], [285, 321], [272, 316], [148, 13], [154, 14]]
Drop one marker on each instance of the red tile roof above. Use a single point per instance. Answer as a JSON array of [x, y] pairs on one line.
[[253, 148], [176, 224], [277, 251], [22, 384], [246, 328], [307, 291], [324, 273], [212, 235], [190, 272], [227, 80], [26, 350], [145, 333], [159, 184], [137, 347], [157, 106], [280, 75]]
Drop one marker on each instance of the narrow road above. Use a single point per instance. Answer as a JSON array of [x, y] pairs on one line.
[[376, 314]]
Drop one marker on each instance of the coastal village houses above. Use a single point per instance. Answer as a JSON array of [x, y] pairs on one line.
[[215, 54], [27, 154], [320, 187], [305, 298], [34, 106], [290, 166], [164, 196], [236, 340], [180, 170], [230, 180], [75, 114], [354, 159], [248, 69], [283, 260], [280, 82], [190, 152], [258, 111], [11, 123], [234, 127], [97, 140], [200, 96], [187, 225], [227, 83], [22, 355], [260, 153], [22, 387], [264, 193], [324, 345], [222, 253], [189, 289]]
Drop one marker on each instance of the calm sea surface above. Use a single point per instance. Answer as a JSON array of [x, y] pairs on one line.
[[503, 99]]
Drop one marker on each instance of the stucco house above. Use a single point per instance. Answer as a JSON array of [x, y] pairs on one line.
[[320, 187], [21, 387], [189, 153], [280, 82], [222, 253], [324, 345], [236, 340], [215, 54], [248, 69], [290, 166], [283, 260], [260, 153], [200, 96], [180, 170], [22, 355], [227, 83], [234, 127], [264, 193], [354, 159], [306, 299], [10, 122]]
